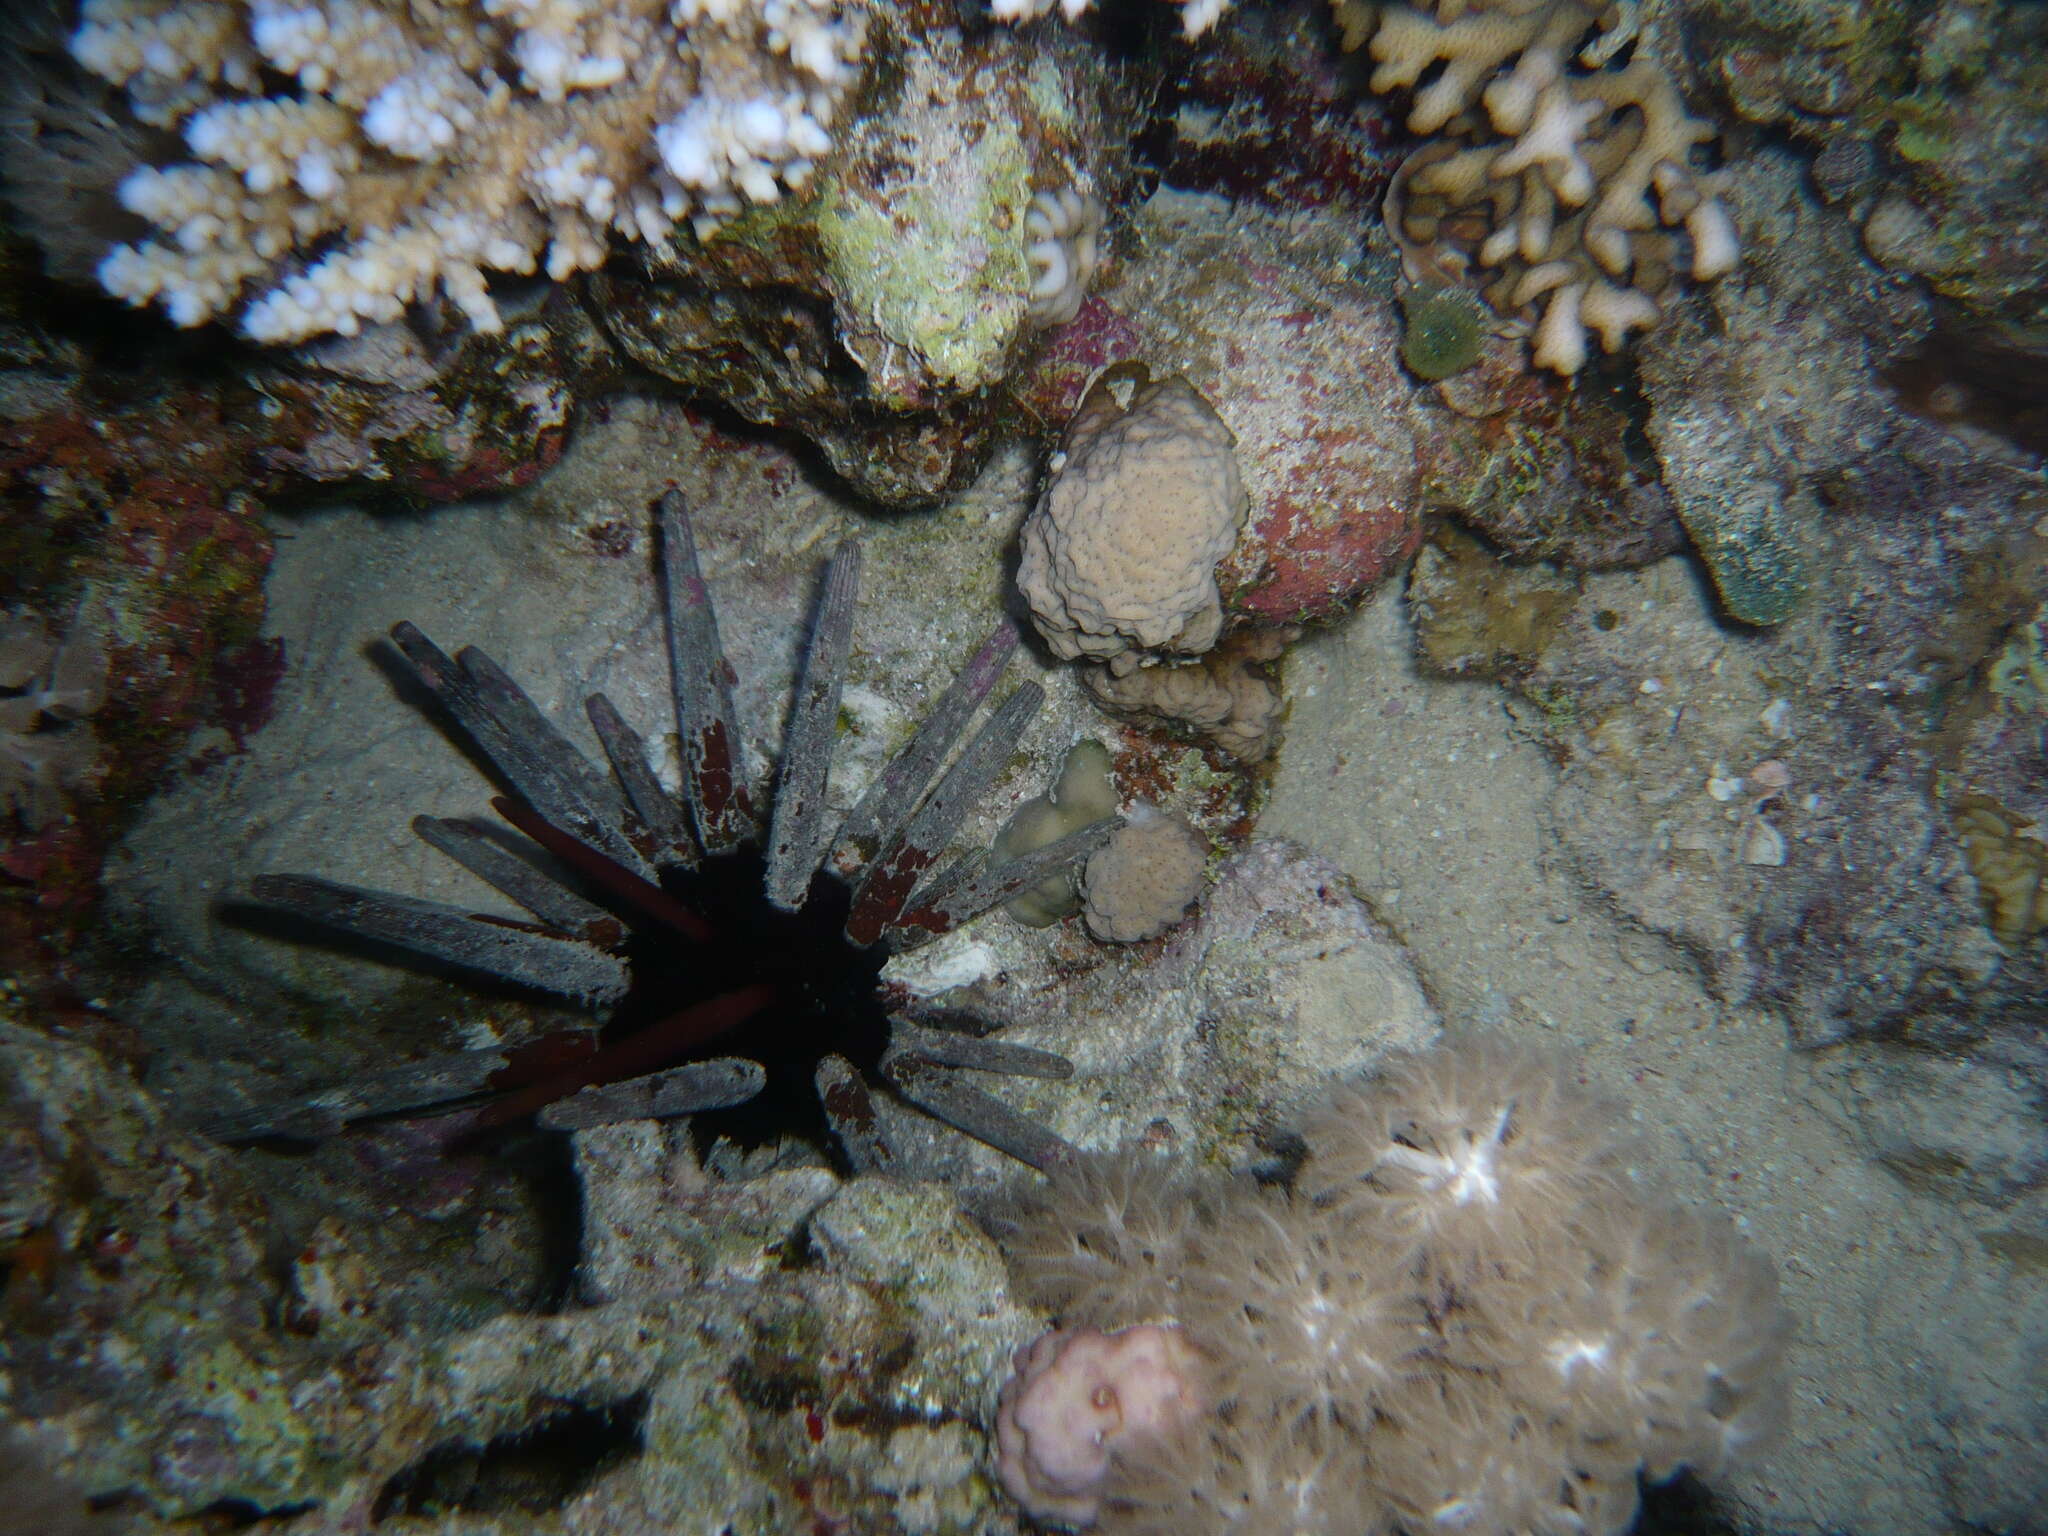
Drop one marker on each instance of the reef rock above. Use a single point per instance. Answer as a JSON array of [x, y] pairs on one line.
[[1929, 125], [876, 314], [1304, 367], [166, 1371]]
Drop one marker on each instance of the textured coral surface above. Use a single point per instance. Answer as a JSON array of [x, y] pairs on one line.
[[1119, 556], [425, 146]]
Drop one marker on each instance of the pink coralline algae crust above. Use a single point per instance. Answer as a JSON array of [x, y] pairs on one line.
[[1072, 356], [128, 505], [1315, 561], [1326, 444]]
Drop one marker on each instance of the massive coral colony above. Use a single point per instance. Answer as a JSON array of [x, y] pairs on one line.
[[688, 927]]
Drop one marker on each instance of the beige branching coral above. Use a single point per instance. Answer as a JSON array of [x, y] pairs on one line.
[[1561, 186], [351, 156], [1463, 1312]]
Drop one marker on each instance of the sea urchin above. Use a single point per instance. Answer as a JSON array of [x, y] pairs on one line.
[[683, 924]]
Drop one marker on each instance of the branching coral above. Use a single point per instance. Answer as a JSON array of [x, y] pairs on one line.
[[351, 156], [1561, 184], [1462, 1312]]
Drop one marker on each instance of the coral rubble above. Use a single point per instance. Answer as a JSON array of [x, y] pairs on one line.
[[425, 146], [1566, 197]]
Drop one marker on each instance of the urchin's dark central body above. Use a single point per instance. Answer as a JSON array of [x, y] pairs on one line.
[[737, 964], [818, 995]]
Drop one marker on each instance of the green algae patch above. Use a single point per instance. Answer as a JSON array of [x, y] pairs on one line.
[[2019, 673], [1442, 331], [1749, 551], [936, 267]]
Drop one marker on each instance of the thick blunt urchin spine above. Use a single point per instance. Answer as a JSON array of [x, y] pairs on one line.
[[1460, 1311], [608, 882]]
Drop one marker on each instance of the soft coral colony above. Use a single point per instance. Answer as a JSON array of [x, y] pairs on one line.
[[1460, 1312]]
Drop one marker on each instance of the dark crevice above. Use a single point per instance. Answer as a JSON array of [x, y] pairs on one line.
[[534, 1471]]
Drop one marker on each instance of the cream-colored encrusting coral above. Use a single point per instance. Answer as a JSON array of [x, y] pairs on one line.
[[1064, 234], [348, 157], [1083, 793], [1143, 880], [1462, 1312], [1225, 698], [1144, 499], [1565, 195]]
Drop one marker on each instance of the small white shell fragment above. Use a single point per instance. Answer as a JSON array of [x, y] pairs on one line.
[[1771, 776], [1763, 844], [1777, 718], [1722, 785], [1650, 685], [957, 960]]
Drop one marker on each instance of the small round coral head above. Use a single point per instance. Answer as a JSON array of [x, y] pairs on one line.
[[1081, 1398]]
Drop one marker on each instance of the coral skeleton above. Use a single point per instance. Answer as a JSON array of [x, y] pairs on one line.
[[349, 157], [1461, 1312], [1559, 184], [691, 922]]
